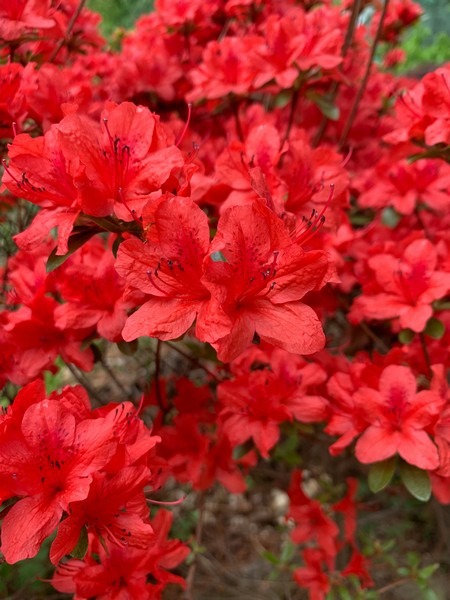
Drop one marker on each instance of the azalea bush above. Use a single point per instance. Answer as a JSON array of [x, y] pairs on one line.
[[225, 261]]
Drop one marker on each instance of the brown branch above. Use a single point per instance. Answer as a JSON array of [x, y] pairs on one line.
[[356, 6], [193, 360], [156, 377], [112, 375], [70, 26], [365, 79], [82, 380], [188, 594]]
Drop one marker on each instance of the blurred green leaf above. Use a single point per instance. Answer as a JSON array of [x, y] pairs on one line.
[[381, 473], [406, 336], [82, 545], [435, 328], [416, 481]]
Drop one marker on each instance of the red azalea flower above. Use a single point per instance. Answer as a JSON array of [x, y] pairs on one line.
[[122, 572], [38, 171], [115, 510], [313, 575], [92, 291], [117, 165], [311, 522], [406, 285], [398, 417], [49, 464], [18, 17], [168, 267], [260, 275]]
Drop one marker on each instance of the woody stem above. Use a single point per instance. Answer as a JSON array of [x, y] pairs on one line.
[[294, 102], [193, 360], [82, 380], [365, 78], [112, 375], [198, 538], [156, 377], [70, 25], [335, 86], [426, 354]]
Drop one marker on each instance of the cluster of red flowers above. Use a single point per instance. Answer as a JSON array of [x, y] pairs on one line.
[[240, 173]]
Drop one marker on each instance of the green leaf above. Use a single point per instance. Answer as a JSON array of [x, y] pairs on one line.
[[326, 106], [428, 571], [344, 594], [270, 557], [75, 241], [390, 217], [416, 481], [429, 595], [380, 474], [218, 257], [406, 336], [435, 328], [282, 99], [287, 552], [128, 348], [82, 545]]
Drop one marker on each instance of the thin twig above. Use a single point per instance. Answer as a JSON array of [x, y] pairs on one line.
[[356, 6], [156, 377], [365, 79], [426, 354], [394, 584], [82, 380], [70, 26], [294, 102], [111, 374], [188, 594], [194, 361], [374, 337], [235, 110]]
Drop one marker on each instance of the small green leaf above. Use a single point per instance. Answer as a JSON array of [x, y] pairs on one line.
[[128, 348], [428, 571], [282, 99], [82, 545], [218, 257], [287, 552], [406, 336], [435, 328], [344, 594], [270, 557], [75, 241], [429, 595], [390, 217], [416, 481], [381, 473], [326, 106]]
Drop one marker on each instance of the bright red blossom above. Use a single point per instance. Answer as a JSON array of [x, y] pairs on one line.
[[398, 418], [168, 267], [260, 276], [406, 285], [49, 464]]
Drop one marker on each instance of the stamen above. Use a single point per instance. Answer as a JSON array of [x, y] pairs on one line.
[[11, 174], [308, 230], [110, 137], [186, 125], [124, 202], [152, 281]]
